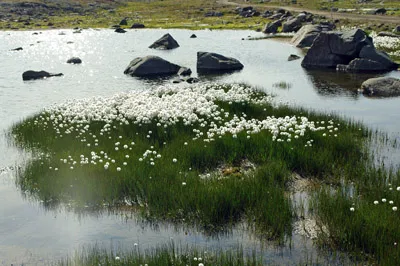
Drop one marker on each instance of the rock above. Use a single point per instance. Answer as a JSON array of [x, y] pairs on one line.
[[364, 65], [192, 80], [383, 87], [120, 30], [213, 14], [166, 42], [380, 11], [272, 27], [17, 49], [193, 36], [388, 34], [30, 74], [184, 71], [151, 66], [212, 62], [123, 22], [292, 25], [306, 36], [369, 52], [397, 29], [74, 60], [137, 26], [332, 48], [293, 57]]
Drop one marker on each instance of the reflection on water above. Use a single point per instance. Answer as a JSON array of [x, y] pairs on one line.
[[331, 83], [37, 232]]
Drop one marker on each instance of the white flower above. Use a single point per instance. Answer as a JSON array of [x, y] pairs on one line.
[[174, 160], [118, 169], [383, 200], [351, 209], [183, 183], [376, 202], [391, 202], [394, 208], [117, 258]]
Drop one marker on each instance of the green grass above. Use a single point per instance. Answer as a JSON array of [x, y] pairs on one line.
[[207, 186], [168, 254], [174, 191]]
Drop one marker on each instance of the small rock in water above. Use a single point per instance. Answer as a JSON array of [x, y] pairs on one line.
[[193, 36], [74, 60], [17, 49], [119, 30], [31, 74], [293, 57]]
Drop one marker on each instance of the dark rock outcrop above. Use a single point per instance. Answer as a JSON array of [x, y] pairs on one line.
[[166, 42], [331, 49], [123, 22], [292, 25], [120, 30], [381, 87], [272, 27], [17, 49], [193, 36], [137, 26], [151, 66], [214, 63], [30, 75], [74, 60]]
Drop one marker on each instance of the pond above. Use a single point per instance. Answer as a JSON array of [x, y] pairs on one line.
[[32, 234]]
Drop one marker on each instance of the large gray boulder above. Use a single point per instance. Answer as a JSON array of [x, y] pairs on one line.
[[381, 87], [272, 27], [166, 42], [212, 63], [332, 48], [292, 25], [151, 66], [363, 65], [306, 36], [31, 74], [369, 52]]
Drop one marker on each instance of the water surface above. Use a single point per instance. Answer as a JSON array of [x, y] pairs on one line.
[[34, 235]]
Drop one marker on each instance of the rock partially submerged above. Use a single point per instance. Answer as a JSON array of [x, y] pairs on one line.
[[120, 30], [381, 87], [166, 42], [151, 66], [293, 57], [31, 74], [74, 60], [353, 49], [214, 63]]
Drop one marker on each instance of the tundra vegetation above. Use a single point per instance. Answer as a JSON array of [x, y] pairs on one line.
[[211, 156]]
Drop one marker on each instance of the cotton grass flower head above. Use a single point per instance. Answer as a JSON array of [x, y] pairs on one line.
[[376, 202], [352, 209]]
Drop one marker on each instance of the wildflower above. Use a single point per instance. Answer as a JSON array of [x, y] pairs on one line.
[[383, 200], [391, 202], [376, 202], [118, 169], [352, 209], [394, 208], [201, 264], [117, 258], [183, 183], [174, 160]]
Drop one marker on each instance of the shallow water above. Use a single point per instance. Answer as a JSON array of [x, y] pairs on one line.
[[33, 235]]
